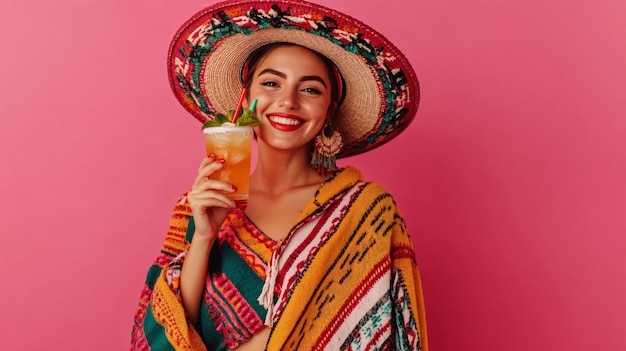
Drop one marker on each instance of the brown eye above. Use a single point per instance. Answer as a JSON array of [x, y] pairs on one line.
[[312, 91]]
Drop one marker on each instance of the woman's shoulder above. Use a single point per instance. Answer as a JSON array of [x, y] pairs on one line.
[[364, 190], [357, 178]]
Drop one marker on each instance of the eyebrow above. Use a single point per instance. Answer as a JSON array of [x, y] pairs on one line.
[[284, 76]]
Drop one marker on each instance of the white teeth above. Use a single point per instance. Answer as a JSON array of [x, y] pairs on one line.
[[283, 120]]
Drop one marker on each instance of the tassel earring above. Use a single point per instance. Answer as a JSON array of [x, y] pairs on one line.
[[328, 143]]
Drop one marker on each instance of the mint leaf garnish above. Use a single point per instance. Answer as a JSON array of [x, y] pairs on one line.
[[245, 119]]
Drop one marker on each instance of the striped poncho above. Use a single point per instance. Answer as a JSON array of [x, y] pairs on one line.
[[344, 278]]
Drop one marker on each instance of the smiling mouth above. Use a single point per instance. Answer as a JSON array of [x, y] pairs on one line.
[[284, 121]]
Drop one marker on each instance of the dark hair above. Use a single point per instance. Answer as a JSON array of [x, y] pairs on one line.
[[255, 57]]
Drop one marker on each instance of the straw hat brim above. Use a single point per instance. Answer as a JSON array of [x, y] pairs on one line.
[[207, 54]]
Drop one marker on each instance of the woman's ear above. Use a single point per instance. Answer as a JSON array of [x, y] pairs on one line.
[[332, 109]]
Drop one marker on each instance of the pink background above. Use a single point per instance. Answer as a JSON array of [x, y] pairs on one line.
[[511, 179]]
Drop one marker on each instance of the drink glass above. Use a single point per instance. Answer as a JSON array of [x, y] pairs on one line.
[[234, 145]]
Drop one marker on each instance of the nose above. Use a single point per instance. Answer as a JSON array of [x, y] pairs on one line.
[[289, 99]]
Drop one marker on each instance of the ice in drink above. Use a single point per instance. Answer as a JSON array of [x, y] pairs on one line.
[[234, 145]]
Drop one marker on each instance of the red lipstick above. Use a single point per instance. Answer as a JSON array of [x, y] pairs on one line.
[[284, 121]]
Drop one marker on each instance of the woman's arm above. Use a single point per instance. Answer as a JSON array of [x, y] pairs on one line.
[[193, 275], [209, 209]]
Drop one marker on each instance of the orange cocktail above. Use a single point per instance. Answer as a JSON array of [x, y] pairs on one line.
[[234, 145]]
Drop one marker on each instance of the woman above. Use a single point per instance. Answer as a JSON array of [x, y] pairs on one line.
[[318, 259]]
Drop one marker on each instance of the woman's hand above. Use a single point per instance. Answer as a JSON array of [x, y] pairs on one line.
[[208, 206]]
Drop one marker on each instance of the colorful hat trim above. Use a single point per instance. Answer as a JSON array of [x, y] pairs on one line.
[[208, 52]]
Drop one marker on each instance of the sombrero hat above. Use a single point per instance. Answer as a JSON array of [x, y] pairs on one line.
[[206, 56]]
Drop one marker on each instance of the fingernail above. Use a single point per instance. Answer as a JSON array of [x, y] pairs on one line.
[[221, 161], [234, 187], [211, 156]]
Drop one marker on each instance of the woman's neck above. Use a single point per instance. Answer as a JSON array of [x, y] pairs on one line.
[[279, 170]]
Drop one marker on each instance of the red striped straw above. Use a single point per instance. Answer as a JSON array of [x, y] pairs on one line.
[[243, 95]]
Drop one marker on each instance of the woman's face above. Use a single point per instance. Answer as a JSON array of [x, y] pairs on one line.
[[293, 93]]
